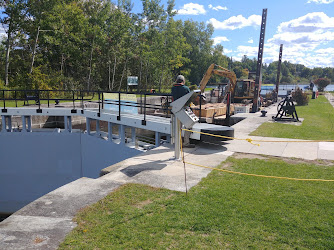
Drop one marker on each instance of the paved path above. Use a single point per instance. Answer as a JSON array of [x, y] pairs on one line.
[[44, 223]]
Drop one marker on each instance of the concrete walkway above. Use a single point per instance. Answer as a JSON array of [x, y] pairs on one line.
[[44, 223]]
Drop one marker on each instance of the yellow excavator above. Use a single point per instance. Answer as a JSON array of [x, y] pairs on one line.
[[240, 89]]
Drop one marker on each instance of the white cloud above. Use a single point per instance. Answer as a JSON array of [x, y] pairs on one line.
[[250, 40], [227, 51], [306, 32], [217, 7], [219, 39], [325, 51], [320, 1], [192, 9], [247, 50], [236, 22], [311, 22]]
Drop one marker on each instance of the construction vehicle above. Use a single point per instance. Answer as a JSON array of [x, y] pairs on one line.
[[240, 89]]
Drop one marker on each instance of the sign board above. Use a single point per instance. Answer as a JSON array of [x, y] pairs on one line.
[[128, 102], [132, 80]]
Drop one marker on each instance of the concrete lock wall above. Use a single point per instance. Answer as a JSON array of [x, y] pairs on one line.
[[33, 164]]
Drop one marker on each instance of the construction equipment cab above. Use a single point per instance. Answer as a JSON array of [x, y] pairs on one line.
[[241, 89], [244, 90]]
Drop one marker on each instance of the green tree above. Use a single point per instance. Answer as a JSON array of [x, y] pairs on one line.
[[14, 15]]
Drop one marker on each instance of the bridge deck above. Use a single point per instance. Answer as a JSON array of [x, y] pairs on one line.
[[153, 123]]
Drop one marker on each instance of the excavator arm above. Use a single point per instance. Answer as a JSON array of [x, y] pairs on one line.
[[220, 72]]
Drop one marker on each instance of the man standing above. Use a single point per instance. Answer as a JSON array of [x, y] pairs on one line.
[[179, 90]]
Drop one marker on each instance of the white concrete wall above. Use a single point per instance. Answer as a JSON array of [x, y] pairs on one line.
[[33, 164]]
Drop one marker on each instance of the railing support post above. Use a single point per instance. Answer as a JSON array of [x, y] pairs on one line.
[[176, 137], [98, 128], [88, 125], [133, 134], [109, 131], [121, 132], [3, 123], [24, 124], [157, 139], [68, 124]]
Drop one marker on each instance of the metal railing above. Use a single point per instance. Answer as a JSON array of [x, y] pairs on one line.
[[43, 99]]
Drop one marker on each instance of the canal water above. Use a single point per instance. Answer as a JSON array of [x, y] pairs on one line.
[[286, 87]]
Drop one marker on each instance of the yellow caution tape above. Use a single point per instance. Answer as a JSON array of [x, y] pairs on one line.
[[240, 173], [252, 140]]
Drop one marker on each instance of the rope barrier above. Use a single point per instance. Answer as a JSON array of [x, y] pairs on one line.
[[246, 174], [251, 141], [254, 140]]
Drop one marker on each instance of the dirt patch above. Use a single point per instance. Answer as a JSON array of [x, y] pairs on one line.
[[287, 160], [143, 203], [249, 156], [228, 166]]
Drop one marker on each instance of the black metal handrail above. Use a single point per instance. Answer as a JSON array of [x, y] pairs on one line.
[[82, 96]]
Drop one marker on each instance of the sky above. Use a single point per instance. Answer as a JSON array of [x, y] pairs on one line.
[[304, 27]]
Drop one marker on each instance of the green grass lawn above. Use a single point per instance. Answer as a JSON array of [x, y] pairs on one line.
[[223, 211], [318, 123]]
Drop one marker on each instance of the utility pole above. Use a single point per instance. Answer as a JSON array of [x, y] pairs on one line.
[[258, 79], [279, 70]]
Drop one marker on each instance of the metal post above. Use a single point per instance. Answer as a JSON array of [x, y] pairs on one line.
[[66, 123], [278, 70], [24, 125], [157, 139], [3, 118], [98, 114], [119, 106], [258, 79], [88, 125], [177, 138], [48, 91], [29, 123], [73, 101], [109, 131], [9, 123], [133, 134], [121, 132], [144, 121], [4, 102], [69, 120], [200, 107], [98, 128]]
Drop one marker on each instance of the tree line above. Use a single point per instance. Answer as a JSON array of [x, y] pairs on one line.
[[97, 44]]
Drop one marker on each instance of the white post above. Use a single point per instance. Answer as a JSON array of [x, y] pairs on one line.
[[109, 131], [177, 129], [3, 118], [24, 124], [88, 125], [133, 134], [121, 132], [157, 139], [29, 123], [98, 128]]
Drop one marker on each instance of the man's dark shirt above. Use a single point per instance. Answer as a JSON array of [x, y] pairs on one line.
[[179, 90]]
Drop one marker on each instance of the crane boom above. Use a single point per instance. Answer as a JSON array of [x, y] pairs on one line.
[[220, 72]]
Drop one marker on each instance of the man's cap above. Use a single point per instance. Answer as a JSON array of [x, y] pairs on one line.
[[180, 78]]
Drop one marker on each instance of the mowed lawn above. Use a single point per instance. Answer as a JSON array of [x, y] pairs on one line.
[[223, 211], [318, 123]]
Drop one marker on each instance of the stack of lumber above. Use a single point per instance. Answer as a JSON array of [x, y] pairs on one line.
[[211, 110]]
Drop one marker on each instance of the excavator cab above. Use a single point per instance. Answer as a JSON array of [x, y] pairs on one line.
[[241, 88], [244, 89]]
